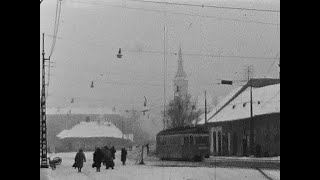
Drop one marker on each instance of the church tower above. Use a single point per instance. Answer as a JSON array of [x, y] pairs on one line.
[[180, 81]]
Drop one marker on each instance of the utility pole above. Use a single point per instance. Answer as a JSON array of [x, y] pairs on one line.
[[251, 116], [122, 128], [165, 121], [43, 117], [279, 67], [205, 106], [142, 162]]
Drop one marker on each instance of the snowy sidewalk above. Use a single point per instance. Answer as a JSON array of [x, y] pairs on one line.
[[244, 162], [45, 174], [154, 169]]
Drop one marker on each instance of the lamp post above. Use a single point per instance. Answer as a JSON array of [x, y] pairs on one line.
[[141, 162]]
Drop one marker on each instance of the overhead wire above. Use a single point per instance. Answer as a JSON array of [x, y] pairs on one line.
[[54, 37], [208, 6], [56, 26], [270, 67], [177, 13]]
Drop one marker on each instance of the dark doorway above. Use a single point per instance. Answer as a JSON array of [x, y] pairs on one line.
[[214, 136], [219, 143], [235, 144], [225, 144], [245, 145]]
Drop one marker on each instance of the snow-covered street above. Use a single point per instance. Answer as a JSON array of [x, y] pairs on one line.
[[150, 171]]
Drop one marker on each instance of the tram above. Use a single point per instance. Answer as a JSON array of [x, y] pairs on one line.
[[184, 143]]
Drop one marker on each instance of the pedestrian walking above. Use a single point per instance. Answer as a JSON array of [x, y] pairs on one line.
[[97, 159], [79, 159], [148, 149], [108, 161], [123, 156], [113, 152]]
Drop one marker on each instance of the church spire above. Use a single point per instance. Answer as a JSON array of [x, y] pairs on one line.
[[180, 72]]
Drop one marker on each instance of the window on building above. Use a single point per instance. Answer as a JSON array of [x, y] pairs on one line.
[[177, 88], [234, 106], [191, 140], [244, 104]]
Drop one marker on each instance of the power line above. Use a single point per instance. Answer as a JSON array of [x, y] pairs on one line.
[[207, 55], [184, 54], [56, 26], [176, 13], [133, 84], [55, 32], [208, 6], [275, 60]]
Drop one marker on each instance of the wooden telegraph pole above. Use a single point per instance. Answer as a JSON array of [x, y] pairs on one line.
[[205, 106], [251, 116]]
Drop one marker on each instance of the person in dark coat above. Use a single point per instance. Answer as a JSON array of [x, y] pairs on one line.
[[104, 149], [123, 156], [97, 158], [113, 152], [108, 161], [148, 149], [79, 159]]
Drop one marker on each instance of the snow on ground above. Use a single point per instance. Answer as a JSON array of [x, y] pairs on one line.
[[272, 174], [246, 158], [45, 174], [150, 171]]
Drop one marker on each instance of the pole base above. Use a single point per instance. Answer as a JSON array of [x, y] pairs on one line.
[[44, 166], [141, 163]]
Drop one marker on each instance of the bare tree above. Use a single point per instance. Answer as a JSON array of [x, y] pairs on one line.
[[182, 111]]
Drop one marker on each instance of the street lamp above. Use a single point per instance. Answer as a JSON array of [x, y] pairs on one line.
[[119, 55]]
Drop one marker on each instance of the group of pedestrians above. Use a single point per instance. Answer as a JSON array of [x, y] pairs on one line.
[[104, 155]]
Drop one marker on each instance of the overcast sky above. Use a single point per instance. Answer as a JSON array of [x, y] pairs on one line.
[[92, 31]]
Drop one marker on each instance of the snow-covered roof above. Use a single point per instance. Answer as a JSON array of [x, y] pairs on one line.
[[92, 129], [220, 104], [236, 106]]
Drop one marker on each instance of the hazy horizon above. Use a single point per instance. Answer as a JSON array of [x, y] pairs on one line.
[[91, 32]]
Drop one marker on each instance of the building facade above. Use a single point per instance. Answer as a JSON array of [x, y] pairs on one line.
[[232, 138], [229, 124]]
